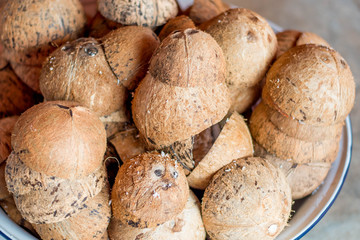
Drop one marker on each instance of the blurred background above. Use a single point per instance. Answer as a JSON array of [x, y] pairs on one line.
[[338, 23]]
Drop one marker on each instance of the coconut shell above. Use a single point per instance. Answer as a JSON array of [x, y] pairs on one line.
[[291, 38], [139, 12], [233, 142], [247, 199], [128, 51], [278, 143], [3, 60], [116, 121], [128, 143], [29, 74], [89, 223], [248, 42], [27, 24], [32, 56], [178, 23], [204, 10], [244, 98], [298, 129], [15, 96], [78, 71], [187, 225], [302, 178], [46, 199], [6, 128], [9, 207], [60, 139], [149, 189], [311, 83], [101, 26], [4, 192]]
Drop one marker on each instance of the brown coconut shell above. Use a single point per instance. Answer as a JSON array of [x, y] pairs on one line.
[[46, 199], [245, 98], [291, 38], [302, 178], [4, 192], [187, 225], [128, 143], [89, 223], [139, 12], [247, 199], [32, 56], [311, 83], [23, 24], [128, 51], [298, 129], [101, 26], [204, 10], [185, 87], [278, 143], [78, 71], [15, 96], [6, 127], [233, 142], [181, 22], [8, 205], [116, 121], [29, 74], [61, 139], [3, 60], [149, 189]]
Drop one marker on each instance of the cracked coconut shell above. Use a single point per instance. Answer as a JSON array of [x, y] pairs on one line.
[[128, 51], [90, 223], [61, 139], [303, 178], [184, 92], [187, 225], [139, 12], [299, 151], [6, 127], [149, 189], [178, 23], [204, 10], [249, 45], [15, 96], [233, 142], [291, 38], [78, 71], [46, 199], [247, 199], [312, 84]]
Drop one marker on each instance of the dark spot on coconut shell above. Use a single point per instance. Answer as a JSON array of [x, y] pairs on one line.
[[254, 18], [133, 224], [91, 51], [151, 141], [242, 199], [158, 172], [255, 183], [139, 237], [303, 113], [175, 174], [62, 106], [294, 165], [192, 31], [343, 63]]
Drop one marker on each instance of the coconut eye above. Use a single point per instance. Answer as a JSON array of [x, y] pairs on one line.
[[174, 174], [91, 51], [158, 172]]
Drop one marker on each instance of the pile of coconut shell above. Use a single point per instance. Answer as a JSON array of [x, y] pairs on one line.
[[137, 120]]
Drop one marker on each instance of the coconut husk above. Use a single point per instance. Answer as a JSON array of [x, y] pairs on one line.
[[291, 38], [178, 23], [78, 71], [244, 98], [233, 142], [312, 84], [139, 12], [60, 139], [29, 74], [89, 223], [46, 199], [187, 225], [247, 199], [8, 205], [204, 10], [27, 24], [101, 26], [15, 96], [298, 129], [149, 189], [302, 178], [32, 56], [248, 42], [128, 143], [278, 143], [6, 128], [4, 192], [116, 121], [128, 51]]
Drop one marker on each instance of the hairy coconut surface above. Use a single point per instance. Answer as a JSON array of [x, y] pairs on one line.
[[178, 23], [101, 26], [6, 127], [61, 139], [247, 199], [139, 12], [311, 83], [204, 10], [128, 51], [149, 189], [90, 223], [187, 225], [78, 71], [233, 142], [45, 199]]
